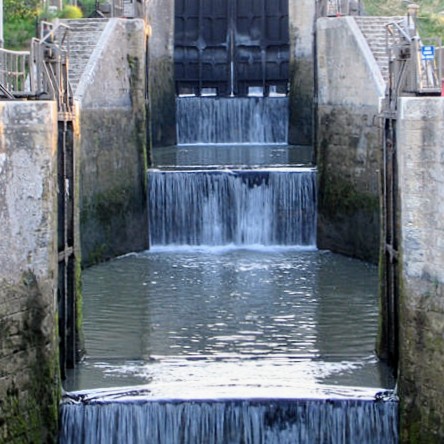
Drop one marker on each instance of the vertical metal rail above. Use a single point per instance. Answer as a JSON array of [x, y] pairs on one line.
[[390, 296], [67, 290], [399, 49], [42, 73], [52, 54], [232, 53], [200, 47], [263, 45]]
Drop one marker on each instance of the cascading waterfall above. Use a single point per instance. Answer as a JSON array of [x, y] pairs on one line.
[[245, 207], [241, 207], [232, 120], [271, 421]]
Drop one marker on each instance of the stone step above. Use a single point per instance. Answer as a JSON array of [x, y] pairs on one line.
[[81, 23], [374, 31], [85, 30], [83, 37], [81, 49]]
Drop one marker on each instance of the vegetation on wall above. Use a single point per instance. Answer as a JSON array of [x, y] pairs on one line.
[[31, 386], [88, 6], [20, 9], [431, 25], [22, 16], [19, 22], [70, 12], [430, 18]]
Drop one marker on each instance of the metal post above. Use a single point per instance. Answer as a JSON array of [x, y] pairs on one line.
[[1, 24], [233, 87], [412, 15]]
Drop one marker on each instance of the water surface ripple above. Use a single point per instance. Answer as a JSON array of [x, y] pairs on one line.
[[227, 322]]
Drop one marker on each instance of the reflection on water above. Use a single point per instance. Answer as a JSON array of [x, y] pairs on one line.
[[232, 155], [229, 322]]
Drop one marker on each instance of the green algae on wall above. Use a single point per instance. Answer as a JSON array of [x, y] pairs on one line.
[[301, 104], [23, 417], [112, 147], [348, 140], [339, 195], [29, 357], [348, 198], [419, 155], [113, 204], [162, 115], [108, 210], [161, 88], [421, 361], [29, 360], [302, 19]]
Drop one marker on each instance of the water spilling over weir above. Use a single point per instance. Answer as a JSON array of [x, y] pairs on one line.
[[239, 207], [239, 421], [232, 120], [233, 328]]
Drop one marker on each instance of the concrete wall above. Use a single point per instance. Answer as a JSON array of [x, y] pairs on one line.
[[349, 140], [111, 144], [29, 382], [302, 18], [160, 16], [420, 155]]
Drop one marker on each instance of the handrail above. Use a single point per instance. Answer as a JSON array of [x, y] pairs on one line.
[[411, 71], [15, 71], [41, 72], [50, 55], [48, 31], [400, 30]]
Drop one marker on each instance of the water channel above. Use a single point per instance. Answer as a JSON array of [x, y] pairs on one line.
[[230, 320], [230, 337], [233, 327]]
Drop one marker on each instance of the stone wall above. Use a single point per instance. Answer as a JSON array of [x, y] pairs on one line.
[[302, 18], [111, 144], [420, 155], [29, 381], [349, 139], [160, 16]]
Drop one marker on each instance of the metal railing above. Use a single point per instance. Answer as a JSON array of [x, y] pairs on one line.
[[415, 63], [427, 73], [109, 8], [50, 58], [336, 8], [41, 72], [15, 73]]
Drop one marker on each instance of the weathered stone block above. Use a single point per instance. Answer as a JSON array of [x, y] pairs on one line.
[[419, 154], [349, 140], [160, 16], [29, 382], [112, 145]]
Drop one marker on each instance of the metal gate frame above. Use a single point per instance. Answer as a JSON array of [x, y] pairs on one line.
[[227, 47]]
